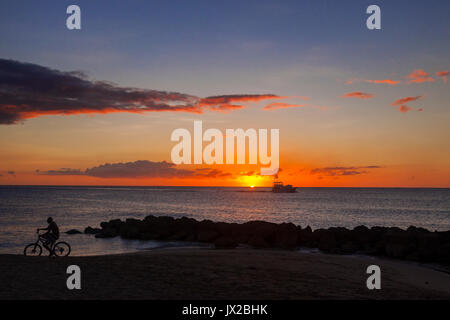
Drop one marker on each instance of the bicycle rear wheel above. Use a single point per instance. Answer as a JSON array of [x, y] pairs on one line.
[[61, 249], [32, 250]]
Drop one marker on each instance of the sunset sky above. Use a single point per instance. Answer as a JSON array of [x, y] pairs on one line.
[[355, 107]]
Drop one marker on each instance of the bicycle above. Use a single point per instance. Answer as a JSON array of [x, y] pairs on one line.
[[59, 249]]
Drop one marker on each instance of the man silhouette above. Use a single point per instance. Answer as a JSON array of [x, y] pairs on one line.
[[51, 235]]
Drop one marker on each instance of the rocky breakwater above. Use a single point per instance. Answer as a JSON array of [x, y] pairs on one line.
[[415, 244]]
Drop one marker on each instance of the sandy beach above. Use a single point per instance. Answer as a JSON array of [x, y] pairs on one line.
[[218, 274]]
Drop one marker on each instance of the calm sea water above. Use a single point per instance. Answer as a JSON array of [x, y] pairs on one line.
[[23, 209]]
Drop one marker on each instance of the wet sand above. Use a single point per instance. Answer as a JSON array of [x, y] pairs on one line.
[[217, 274]]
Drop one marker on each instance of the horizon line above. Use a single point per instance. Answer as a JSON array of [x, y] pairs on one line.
[[174, 186]]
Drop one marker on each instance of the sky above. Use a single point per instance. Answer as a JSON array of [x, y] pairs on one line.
[[97, 106]]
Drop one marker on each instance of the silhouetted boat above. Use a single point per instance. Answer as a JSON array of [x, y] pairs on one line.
[[279, 187]]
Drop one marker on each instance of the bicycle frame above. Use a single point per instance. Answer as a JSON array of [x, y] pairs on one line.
[[42, 241]]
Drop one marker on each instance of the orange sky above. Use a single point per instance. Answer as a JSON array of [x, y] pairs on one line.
[[354, 107], [371, 134]]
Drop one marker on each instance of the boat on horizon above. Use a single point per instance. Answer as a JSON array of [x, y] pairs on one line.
[[279, 187]]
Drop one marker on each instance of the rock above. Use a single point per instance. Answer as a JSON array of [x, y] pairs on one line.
[[428, 247], [116, 223], [179, 236], [128, 231], [347, 247], [258, 242], [259, 228], [414, 243], [326, 240], [73, 231], [90, 230], [149, 236], [306, 237], [398, 243], [109, 232], [225, 243], [417, 230], [207, 236], [444, 254], [286, 236], [362, 237], [396, 250]]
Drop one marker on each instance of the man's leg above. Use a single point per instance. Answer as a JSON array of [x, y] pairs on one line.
[[47, 245]]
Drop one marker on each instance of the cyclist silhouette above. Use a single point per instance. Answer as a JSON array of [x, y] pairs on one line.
[[51, 235]]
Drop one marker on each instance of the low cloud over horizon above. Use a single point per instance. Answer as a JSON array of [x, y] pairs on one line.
[[343, 171], [138, 169]]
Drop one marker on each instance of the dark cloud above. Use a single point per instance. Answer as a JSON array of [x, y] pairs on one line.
[[11, 172], [62, 172], [29, 90], [211, 173], [138, 169], [343, 171]]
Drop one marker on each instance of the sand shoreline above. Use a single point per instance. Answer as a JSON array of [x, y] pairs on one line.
[[218, 274]]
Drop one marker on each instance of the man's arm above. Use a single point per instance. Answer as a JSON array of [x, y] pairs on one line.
[[39, 229]]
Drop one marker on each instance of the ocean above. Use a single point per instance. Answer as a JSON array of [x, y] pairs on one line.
[[25, 208]]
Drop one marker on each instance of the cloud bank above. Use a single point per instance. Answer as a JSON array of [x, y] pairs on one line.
[[343, 171], [137, 169], [30, 90]]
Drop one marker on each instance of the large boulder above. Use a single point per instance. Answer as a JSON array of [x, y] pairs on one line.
[[129, 231], [207, 236], [398, 243], [286, 236], [326, 240], [258, 242], [107, 233], [414, 243], [73, 231], [90, 230], [225, 242], [429, 247], [112, 224], [306, 237], [362, 237]]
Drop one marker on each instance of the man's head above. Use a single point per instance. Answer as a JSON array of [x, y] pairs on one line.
[[49, 219]]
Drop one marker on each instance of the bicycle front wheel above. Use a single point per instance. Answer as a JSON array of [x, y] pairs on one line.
[[32, 250], [61, 249]]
